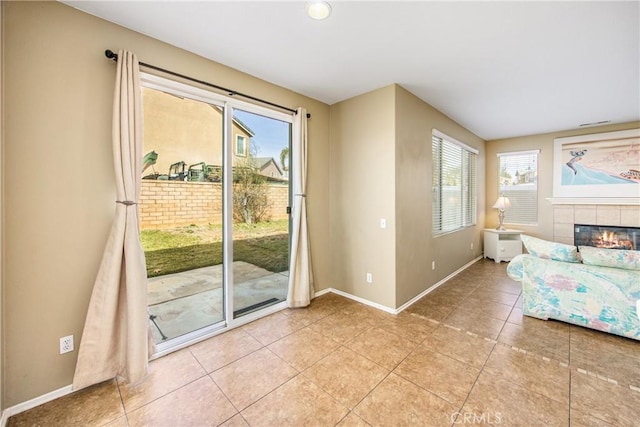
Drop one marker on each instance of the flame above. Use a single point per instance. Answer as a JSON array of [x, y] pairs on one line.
[[608, 239]]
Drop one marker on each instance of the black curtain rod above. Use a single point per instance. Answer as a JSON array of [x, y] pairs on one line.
[[112, 55]]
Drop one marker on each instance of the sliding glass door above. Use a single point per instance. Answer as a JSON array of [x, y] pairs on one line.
[[213, 211], [260, 212], [181, 215]]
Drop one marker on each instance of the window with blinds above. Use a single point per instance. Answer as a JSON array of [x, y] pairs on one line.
[[454, 188], [518, 180]]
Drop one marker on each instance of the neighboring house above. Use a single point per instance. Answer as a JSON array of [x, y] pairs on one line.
[[525, 177], [184, 130], [268, 167]]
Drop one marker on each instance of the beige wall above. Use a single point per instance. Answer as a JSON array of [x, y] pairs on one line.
[[543, 142], [416, 246], [381, 168], [2, 406], [362, 192], [59, 190]]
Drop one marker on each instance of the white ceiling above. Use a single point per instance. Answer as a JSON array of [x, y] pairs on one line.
[[500, 69]]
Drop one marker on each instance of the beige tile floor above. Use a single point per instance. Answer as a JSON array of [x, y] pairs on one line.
[[462, 355]]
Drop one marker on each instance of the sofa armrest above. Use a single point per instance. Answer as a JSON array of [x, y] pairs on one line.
[[601, 298], [514, 268]]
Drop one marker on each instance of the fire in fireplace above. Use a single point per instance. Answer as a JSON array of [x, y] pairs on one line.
[[606, 236]]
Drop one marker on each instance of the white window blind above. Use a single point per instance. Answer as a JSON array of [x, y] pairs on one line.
[[518, 180], [454, 188]]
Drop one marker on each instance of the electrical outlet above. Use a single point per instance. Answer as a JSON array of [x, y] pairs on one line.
[[369, 278], [66, 344], [472, 246], [433, 265]]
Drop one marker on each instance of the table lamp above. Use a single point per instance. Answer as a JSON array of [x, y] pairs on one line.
[[501, 204]]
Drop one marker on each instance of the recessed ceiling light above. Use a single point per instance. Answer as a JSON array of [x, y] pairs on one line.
[[318, 10]]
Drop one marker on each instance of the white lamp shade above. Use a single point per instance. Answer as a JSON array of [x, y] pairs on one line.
[[502, 203]]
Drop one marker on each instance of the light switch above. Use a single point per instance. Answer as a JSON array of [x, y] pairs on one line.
[[383, 223]]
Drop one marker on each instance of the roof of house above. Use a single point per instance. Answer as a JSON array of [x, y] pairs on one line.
[[263, 162], [238, 122]]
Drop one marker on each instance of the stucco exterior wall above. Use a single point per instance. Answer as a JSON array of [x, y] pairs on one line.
[[184, 130]]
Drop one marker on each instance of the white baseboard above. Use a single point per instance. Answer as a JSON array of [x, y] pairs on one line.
[[48, 397], [408, 303], [436, 285], [37, 401], [364, 301], [322, 292]]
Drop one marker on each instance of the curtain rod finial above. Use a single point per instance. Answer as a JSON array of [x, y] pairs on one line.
[[109, 54]]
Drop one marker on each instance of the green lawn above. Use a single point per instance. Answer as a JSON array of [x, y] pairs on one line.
[[153, 240], [172, 251]]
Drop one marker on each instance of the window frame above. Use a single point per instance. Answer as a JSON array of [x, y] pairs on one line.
[[244, 146], [468, 178], [515, 201]]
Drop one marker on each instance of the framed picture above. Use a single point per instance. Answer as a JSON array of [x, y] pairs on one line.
[[600, 165]]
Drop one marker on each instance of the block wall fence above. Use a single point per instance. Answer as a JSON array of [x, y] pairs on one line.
[[169, 204]]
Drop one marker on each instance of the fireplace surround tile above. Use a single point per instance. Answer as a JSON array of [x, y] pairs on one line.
[[585, 214], [563, 214], [565, 230], [630, 216], [608, 215]]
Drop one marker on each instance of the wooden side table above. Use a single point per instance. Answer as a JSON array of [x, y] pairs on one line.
[[502, 245]]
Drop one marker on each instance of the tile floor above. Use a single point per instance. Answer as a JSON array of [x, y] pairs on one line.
[[462, 355]]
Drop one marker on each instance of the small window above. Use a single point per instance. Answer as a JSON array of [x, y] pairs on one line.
[[241, 146], [454, 192], [518, 180]]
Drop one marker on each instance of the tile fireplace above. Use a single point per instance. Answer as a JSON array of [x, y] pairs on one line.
[[567, 216], [606, 236]]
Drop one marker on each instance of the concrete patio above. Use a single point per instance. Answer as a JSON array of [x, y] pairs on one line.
[[190, 300]]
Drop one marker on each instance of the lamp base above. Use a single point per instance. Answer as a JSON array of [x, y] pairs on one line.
[[501, 218]]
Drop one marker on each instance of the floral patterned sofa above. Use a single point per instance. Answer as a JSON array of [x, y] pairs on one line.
[[595, 288]]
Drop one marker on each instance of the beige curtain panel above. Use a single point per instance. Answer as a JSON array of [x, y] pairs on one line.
[[115, 340], [301, 289]]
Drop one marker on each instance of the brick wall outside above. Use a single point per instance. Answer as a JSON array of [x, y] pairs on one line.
[[278, 196], [169, 204]]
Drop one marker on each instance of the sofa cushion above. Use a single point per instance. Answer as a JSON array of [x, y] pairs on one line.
[[550, 250], [616, 258]]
